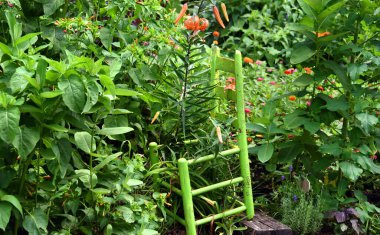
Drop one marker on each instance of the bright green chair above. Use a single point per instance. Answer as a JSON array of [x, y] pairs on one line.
[[187, 193]]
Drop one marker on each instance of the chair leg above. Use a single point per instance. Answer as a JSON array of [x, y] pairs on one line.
[[153, 157], [187, 197], [242, 137]]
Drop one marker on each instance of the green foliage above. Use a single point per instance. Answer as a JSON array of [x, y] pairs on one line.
[[64, 129], [257, 28]]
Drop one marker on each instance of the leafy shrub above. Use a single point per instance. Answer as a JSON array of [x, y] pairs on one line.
[[64, 130]]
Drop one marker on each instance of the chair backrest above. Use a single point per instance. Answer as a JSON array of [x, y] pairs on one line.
[[186, 192]]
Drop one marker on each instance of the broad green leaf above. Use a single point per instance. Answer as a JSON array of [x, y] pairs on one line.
[[273, 129], [312, 127], [290, 152], [106, 38], [265, 152], [26, 140], [328, 12], [107, 82], [368, 164], [301, 54], [84, 176], [350, 170], [10, 118], [327, 39], [340, 73], [360, 196], [26, 108], [56, 127], [107, 160], [307, 9], [134, 182], [337, 104], [15, 28], [355, 70], [114, 130], [256, 127], [83, 140], [32, 82], [5, 214], [92, 95], [367, 121], [126, 92], [34, 223], [332, 149], [293, 120], [12, 200], [51, 94], [7, 173], [269, 109], [149, 232], [121, 111], [303, 80], [41, 72], [59, 67], [299, 27], [74, 95], [63, 155], [26, 41], [101, 191], [19, 80], [109, 229], [127, 214], [342, 187], [5, 49], [317, 5], [51, 6], [115, 66]]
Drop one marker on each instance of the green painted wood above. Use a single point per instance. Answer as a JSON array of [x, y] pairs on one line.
[[154, 160], [216, 186], [212, 156], [187, 198], [242, 137], [214, 81], [225, 64], [171, 187], [176, 217], [221, 215]]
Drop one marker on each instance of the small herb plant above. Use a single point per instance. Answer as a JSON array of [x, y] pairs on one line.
[[302, 212]]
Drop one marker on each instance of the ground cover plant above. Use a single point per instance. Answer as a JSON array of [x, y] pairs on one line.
[[85, 85]]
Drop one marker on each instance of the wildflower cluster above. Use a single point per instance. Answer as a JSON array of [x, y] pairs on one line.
[[230, 84], [6, 4], [323, 34], [194, 23], [78, 24]]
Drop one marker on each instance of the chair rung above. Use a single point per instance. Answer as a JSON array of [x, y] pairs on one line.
[[212, 156], [216, 186], [176, 217], [171, 187], [220, 215]]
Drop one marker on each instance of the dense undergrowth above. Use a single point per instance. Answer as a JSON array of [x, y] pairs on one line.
[[86, 85]]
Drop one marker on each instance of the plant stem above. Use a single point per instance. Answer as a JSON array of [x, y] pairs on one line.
[[38, 176], [24, 168], [91, 168], [184, 90], [348, 93]]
